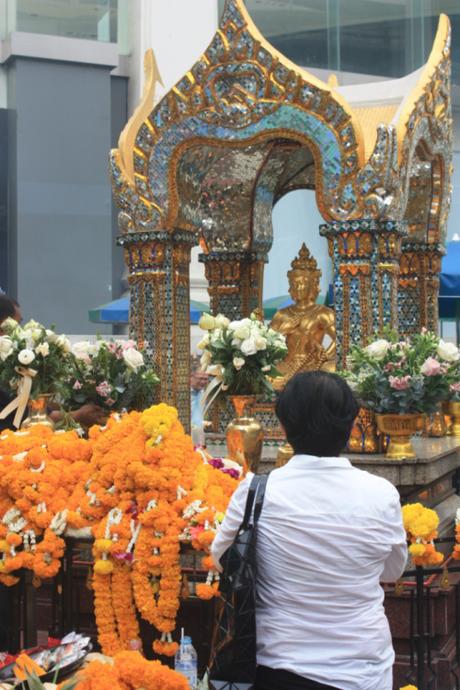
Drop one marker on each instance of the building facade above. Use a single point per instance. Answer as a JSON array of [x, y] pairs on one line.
[[71, 72]]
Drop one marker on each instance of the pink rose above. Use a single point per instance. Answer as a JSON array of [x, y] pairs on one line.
[[400, 383], [129, 344], [104, 389], [116, 350], [431, 367], [77, 386], [455, 387]]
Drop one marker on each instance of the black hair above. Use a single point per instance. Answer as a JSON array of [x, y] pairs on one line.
[[317, 411], [7, 307]]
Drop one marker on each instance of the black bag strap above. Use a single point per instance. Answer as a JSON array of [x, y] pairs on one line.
[[257, 487]]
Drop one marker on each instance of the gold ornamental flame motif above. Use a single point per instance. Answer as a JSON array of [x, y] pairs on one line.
[[400, 428], [244, 435]]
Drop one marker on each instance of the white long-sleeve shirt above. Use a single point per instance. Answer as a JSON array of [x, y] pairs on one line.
[[327, 536]]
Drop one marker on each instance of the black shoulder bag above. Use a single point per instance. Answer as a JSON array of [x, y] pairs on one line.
[[233, 657]]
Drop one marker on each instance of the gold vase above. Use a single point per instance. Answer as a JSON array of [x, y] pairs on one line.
[[454, 411], [435, 424], [285, 453], [400, 428], [37, 412], [244, 435]]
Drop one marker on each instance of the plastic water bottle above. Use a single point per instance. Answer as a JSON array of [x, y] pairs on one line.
[[186, 661]]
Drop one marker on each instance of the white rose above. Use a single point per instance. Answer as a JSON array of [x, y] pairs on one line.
[[238, 363], [9, 325], [51, 335], [207, 322], [43, 349], [26, 356], [133, 358], [205, 359], [63, 343], [204, 342], [378, 349], [216, 335], [36, 334], [94, 348], [242, 332], [81, 350], [6, 347], [222, 321], [448, 351], [248, 346], [267, 367], [32, 324], [261, 343]]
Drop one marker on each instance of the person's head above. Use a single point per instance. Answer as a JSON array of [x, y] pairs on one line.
[[317, 410], [9, 308], [198, 378]]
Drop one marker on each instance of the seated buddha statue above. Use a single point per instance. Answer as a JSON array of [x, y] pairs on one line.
[[305, 324]]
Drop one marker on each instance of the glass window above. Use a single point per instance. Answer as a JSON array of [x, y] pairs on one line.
[[388, 38], [95, 19]]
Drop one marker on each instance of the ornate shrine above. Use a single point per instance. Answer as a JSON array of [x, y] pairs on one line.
[[241, 129]]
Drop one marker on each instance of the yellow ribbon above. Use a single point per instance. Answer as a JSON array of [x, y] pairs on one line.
[[20, 402]]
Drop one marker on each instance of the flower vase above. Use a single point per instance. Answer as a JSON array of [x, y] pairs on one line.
[[400, 428], [454, 411], [37, 412], [244, 435]]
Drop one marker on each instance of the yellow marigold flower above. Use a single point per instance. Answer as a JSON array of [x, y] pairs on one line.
[[409, 687], [419, 521], [417, 549], [103, 567]]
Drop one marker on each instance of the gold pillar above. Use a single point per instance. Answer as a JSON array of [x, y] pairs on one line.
[[235, 282], [420, 266], [159, 319]]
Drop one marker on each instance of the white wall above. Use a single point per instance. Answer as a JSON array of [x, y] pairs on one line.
[[179, 31], [296, 219]]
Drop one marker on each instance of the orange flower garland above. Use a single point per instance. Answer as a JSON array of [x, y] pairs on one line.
[[130, 671], [39, 471], [141, 489]]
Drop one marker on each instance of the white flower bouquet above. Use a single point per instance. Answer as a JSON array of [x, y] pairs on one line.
[[111, 374], [412, 375], [241, 354], [34, 354]]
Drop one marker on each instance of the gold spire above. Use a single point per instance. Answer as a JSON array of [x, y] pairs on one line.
[[128, 136], [304, 261]]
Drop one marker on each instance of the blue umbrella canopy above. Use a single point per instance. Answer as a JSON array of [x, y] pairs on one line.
[[118, 310], [449, 282]]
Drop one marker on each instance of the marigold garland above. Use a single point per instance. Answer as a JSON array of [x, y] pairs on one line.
[[421, 526], [130, 671], [141, 489]]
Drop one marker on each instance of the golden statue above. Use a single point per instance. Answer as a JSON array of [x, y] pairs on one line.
[[305, 323]]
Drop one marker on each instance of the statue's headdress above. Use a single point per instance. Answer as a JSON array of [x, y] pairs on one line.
[[305, 263]]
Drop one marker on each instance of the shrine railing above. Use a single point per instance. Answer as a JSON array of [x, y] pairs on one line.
[[429, 655]]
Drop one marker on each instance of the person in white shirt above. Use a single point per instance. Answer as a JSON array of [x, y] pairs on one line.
[[327, 536]]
